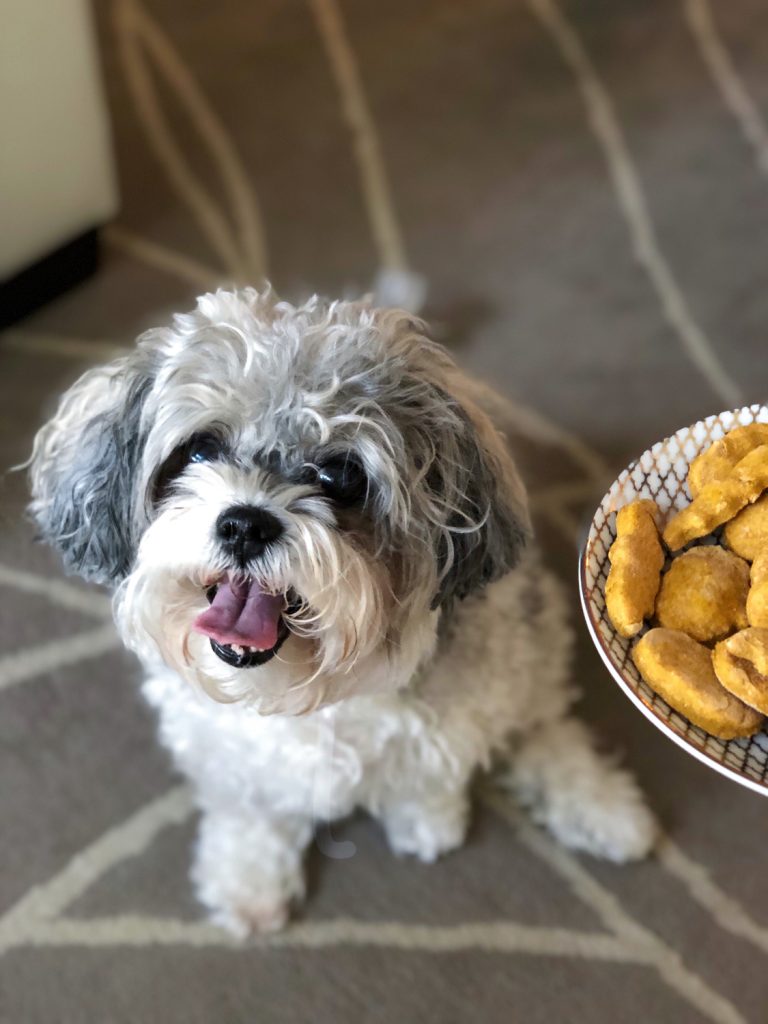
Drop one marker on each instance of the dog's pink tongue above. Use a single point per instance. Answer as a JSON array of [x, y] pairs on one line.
[[242, 613]]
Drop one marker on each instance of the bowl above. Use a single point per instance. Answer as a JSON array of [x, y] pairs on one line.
[[660, 473]]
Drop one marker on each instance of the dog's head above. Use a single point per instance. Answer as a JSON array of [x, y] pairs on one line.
[[286, 498]]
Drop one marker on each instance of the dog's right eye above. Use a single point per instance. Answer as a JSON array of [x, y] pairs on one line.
[[343, 480], [203, 448]]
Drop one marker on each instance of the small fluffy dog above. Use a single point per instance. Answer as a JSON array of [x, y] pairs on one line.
[[321, 552]]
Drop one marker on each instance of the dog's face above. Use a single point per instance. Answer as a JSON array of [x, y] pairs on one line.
[[286, 498]]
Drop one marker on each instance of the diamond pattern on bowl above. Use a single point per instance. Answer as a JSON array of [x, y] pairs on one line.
[[660, 473]]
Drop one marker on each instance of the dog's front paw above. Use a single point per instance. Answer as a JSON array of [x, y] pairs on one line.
[[245, 903], [582, 797], [246, 875], [615, 824], [426, 830], [242, 899], [250, 916]]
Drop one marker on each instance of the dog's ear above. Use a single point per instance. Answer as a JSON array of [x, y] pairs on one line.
[[83, 471], [486, 523]]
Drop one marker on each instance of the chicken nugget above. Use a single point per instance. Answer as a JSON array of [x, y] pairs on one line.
[[741, 665], [680, 670], [752, 645], [636, 559], [720, 500], [719, 459], [704, 594], [757, 599], [747, 533]]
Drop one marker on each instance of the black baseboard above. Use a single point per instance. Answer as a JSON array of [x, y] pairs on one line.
[[49, 277]]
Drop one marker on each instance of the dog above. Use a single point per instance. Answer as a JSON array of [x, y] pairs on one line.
[[320, 549]]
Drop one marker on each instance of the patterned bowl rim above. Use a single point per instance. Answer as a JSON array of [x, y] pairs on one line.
[[651, 713]]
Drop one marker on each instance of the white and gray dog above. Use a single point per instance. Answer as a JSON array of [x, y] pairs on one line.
[[320, 550]]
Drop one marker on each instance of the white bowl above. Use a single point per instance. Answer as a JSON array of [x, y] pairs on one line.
[[660, 474]]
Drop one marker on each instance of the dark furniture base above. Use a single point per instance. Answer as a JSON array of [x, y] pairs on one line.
[[49, 277]]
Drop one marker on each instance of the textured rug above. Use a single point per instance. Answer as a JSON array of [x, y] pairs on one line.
[[583, 187]]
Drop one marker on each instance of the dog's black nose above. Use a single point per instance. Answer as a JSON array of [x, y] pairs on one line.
[[244, 531]]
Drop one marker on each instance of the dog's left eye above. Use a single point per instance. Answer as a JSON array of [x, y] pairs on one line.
[[203, 448], [343, 480]]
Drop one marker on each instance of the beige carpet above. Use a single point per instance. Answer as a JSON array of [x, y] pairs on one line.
[[584, 187]]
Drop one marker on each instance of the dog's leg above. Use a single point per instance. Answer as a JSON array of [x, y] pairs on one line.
[[581, 796], [428, 823], [248, 867]]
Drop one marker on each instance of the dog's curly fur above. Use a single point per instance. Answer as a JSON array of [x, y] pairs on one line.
[[424, 636]]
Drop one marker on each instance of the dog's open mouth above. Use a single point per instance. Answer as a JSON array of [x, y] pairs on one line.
[[245, 624], [248, 657]]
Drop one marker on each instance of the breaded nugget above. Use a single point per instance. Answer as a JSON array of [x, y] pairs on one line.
[[757, 599], [747, 533], [741, 665], [680, 670], [752, 645], [720, 500], [719, 459], [704, 594], [636, 559]]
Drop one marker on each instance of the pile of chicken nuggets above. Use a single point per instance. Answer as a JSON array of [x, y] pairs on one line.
[[707, 653]]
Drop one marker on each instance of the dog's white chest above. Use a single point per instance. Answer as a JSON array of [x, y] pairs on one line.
[[326, 762]]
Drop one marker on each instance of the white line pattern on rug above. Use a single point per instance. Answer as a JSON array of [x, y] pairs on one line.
[[35, 919], [724, 909], [607, 906], [57, 591], [39, 659], [159, 257], [367, 148], [242, 250], [505, 937], [631, 200], [128, 839], [36, 660], [698, 14]]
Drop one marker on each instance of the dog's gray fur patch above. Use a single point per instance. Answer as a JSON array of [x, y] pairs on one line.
[[471, 558], [84, 498]]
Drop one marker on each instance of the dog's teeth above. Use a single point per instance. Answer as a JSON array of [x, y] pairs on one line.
[[238, 649]]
